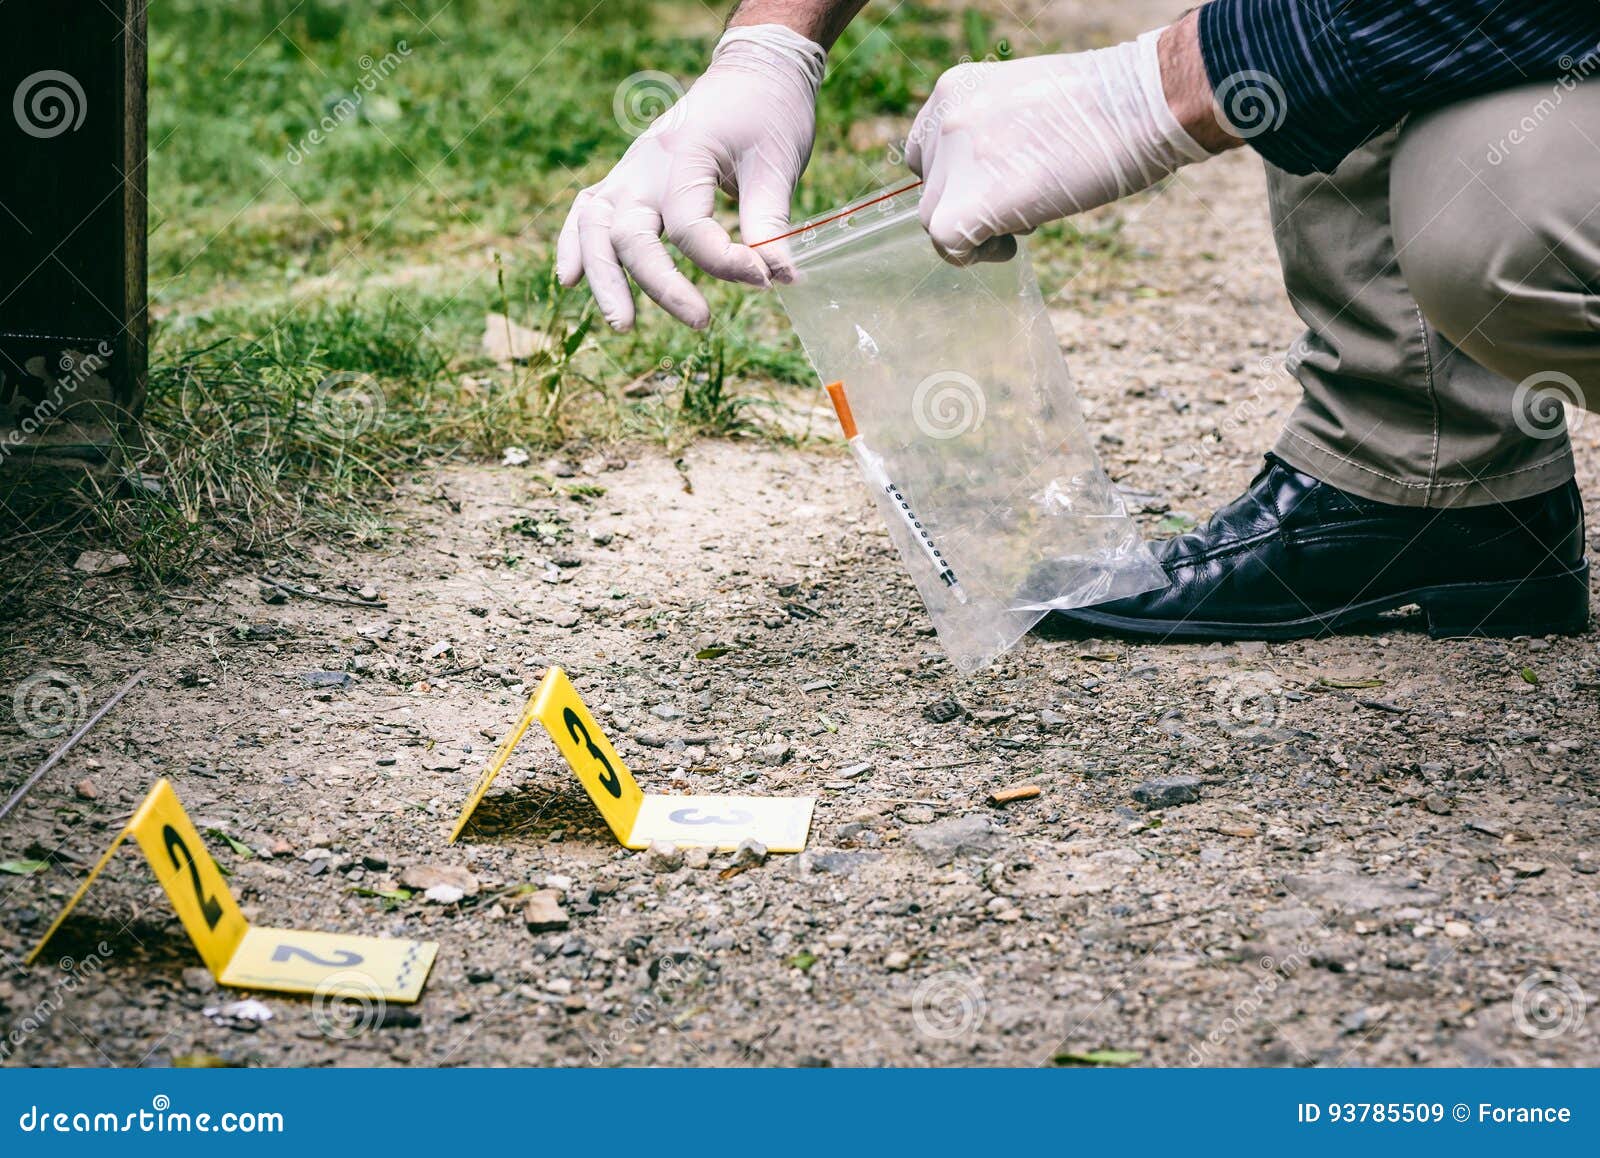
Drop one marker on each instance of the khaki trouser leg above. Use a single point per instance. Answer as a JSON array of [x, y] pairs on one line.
[[1449, 279]]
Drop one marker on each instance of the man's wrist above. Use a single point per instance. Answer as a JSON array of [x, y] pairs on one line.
[[820, 21], [1188, 88]]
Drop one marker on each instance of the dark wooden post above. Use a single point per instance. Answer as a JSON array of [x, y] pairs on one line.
[[72, 230]]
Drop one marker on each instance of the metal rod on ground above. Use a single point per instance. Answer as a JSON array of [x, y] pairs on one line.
[[67, 745]]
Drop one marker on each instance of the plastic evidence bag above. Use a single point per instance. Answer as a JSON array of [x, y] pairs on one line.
[[958, 408]]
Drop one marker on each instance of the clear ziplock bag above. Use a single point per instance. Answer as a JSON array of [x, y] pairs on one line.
[[966, 426]]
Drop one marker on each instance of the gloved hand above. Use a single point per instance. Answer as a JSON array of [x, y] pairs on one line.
[[1004, 147], [746, 126]]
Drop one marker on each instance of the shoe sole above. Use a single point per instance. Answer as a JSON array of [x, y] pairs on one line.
[[1543, 605]]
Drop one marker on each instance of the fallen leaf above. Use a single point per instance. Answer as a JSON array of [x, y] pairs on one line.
[[802, 961], [202, 1061], [238, 846], [23, 868], [1098, 1057], [1174, 524]]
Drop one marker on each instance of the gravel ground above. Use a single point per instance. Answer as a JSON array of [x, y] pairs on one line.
[[1365, 850]]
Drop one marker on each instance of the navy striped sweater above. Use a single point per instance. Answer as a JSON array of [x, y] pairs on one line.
[[1307, 81]]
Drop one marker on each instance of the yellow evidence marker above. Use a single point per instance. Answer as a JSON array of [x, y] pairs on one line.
[[636, 819], [243, 955]]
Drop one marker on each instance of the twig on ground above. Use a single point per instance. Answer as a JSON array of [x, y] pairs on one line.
[[336, 600], [70, 742]]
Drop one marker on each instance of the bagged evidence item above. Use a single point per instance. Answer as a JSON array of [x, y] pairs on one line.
[[957, 405]]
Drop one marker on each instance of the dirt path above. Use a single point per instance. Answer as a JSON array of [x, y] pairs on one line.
[[1392, 859], [1368, 877]]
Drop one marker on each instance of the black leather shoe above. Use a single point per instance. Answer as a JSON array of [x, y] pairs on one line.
[[1294, 557]]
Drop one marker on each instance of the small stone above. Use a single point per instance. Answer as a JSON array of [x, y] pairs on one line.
[[943, 712], [916, 814], [102, 562], [1360, 894], [542, 912], [1168, 791], [399, 1017], [376, 863], [839, 862], [749, 854], [666, 712], [444, 894], [663, 857], [420, 878], [1457, 929], [327, 679], [199, 980], [897, 962], [86, 790], [775, 753], [564, 618], [271, 594], [368, 594], [478, 975], [697, 858], [1437, 804], [1527, 868], [958, 836]]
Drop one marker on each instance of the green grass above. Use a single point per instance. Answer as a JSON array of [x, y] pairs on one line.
[[280, 263]]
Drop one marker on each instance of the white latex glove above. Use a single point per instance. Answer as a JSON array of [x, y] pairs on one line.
[[1004, 147], [746, 126]]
